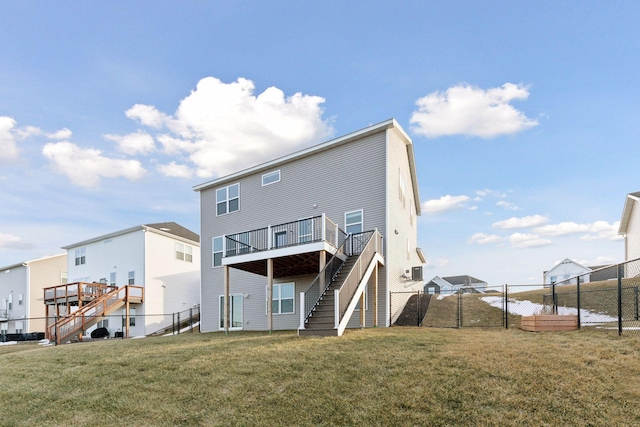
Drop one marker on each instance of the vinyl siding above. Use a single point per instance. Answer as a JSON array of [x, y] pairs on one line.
[[13, 282], [632, 240], [396, 256], [342, 178], [43, 274]]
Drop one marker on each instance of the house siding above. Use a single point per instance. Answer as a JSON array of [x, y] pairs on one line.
[[13, 282], [396, 255], [632, 239], [331, 180], [43, 273]]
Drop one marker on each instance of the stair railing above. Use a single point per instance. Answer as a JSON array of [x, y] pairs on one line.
[[323, 280]]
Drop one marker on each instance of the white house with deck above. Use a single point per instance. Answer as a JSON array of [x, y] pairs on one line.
[[153, 269], [315, 241]]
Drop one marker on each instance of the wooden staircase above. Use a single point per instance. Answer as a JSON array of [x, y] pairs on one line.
[[322, 320], [76, 323]]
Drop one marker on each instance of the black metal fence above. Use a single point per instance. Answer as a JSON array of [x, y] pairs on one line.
[[22, 334]]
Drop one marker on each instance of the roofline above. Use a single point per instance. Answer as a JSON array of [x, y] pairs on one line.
[[127, 231], [626, 212], [25, 263], [387, 124]]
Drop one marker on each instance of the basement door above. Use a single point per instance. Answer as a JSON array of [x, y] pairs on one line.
[[236, 320]]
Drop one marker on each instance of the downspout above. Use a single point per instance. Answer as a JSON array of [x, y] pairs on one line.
[[27, 292]]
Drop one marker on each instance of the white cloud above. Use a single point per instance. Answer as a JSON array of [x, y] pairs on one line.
[[484, 239], [63, 133], [468, 110], [176, 170], [85, 167], [8, 147], [507, 205], [596, 230], [487, 192], [601, 260], [444, 203], [8, 241], [438, 263], [525, 240], [134, 143], [524, 222], [224, 127]]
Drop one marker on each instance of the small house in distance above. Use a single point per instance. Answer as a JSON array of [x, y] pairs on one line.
[[453, 284], [566, 271], [630, 226]]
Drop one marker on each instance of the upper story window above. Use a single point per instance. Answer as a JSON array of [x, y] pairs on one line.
[[112, 279], [228, 199], [20, 299], [184, 252], [64, 277], [131, 280], [354, 221], [271, 178], [217, 251], [81, 254]]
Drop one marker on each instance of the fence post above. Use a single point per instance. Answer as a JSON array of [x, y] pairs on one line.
[[173, 323], [55, 329], [459, 309], [191, 319], [636, 302], [122, 321], [418, 303], [554, 298], [620, 274], [506, 306], [578, 298]]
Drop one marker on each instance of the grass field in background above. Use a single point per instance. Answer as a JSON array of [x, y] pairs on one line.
[[394, 376]]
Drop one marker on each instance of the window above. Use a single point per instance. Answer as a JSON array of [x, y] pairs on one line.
[[81, 256], [353, 222], [228, 199], [305, 230], [235, 311], [402, 188], [553, 279], [20, 299], [131, 278], [4, 327], [10, 301], [217, 251], [103, 324], [64, 277], [283, 298], [112, 279], [132, 318], [184, 252], [431, 290], [19, 326], [271, 178]]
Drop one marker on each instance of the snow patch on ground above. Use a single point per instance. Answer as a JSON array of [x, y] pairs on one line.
[[528, 308]]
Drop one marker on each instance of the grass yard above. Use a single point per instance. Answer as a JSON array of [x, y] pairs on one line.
[[386, 377]]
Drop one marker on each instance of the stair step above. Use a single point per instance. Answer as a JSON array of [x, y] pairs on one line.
[[318, 332]]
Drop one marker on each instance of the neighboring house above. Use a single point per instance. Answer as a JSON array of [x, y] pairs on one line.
[[452, 284], [21, 301], [268, 231], [569, 269], [630, 226], [161, 262]]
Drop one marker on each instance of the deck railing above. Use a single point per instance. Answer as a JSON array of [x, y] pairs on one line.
[[365, 245], [76, 290], [315, 229]]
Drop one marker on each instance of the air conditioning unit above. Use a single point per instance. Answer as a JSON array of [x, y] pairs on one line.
[[416, 273]]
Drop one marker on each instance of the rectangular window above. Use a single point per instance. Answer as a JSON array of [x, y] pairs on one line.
[[132, 318], [131, 278], [10, 301], [184, 252], [180, 251], [20, 299], [228, 199], [81, 256], [19, 326], [103, 324], [271, 178], [112, 279], [217, 251], [283, 298], [64, 277], [235, 311], [354, 222]]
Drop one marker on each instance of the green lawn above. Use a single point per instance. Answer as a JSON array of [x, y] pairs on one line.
[[386, 377]]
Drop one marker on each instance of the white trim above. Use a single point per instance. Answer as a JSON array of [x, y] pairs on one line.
[[293, 298], [214, 252], [361, 219], [231, 328], [228, 199], [271, 173], [281, 252]]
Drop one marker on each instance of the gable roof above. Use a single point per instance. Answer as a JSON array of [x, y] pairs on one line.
[[387, 124], [170, 229], [626, 211], [463, 280], [566, 261]]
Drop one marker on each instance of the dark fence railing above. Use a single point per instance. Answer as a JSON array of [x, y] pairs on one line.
[[315, 229]]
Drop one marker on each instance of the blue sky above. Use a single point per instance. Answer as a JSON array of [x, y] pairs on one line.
[[524, 116]]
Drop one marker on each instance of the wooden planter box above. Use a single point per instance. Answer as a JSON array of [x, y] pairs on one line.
[[549, 322]]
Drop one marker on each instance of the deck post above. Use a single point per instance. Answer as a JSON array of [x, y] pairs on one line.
[[322, 262], [324, 227], [362, 308], [375, 296], [126, 298], [336, 308], [302, 311], [226, 299], [270, 294]]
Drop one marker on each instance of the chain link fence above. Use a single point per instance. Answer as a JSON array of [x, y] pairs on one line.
[[28, 333]]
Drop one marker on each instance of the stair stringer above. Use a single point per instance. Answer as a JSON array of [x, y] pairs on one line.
[[377, 259]]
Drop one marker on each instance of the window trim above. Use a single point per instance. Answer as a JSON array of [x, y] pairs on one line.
[[227, 200], [221, 313], [279, 299], [267, 176], [80, 256], [214, 252], [346, 226], [131, 278]]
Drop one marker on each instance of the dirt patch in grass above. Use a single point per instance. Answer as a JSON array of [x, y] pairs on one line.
[[414, 311]]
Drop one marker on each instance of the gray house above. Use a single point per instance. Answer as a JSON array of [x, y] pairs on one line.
[[451, 284], [314, 241]]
